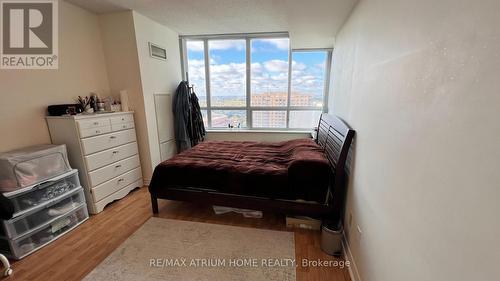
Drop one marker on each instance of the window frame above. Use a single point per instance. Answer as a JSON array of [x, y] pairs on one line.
[[248, 37]]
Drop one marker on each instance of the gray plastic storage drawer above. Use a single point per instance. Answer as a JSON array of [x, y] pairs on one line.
[[34, 197], [31, 165], [43, 235], [20, 225]]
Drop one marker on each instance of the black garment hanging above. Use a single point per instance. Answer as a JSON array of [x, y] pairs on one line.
[[188, 120], [198, 128], [182, 111]]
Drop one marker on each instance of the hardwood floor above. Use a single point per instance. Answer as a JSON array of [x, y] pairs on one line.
[[74, 255]]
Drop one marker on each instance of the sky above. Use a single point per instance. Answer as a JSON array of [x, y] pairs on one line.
[[269, 67]]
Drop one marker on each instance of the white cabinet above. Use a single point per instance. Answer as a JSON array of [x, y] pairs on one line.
[[103, 147]]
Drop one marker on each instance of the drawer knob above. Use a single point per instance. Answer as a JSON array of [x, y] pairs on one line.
[[120, 180], [96, 123], [118, 166], [115, 152], [112, 137], [124, 126], [97, 132], [123, 119]]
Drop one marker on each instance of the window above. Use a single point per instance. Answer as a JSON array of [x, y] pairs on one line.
[[269, 72], [308, 82], [256, 81], [227, 72], [269, 119], [196, 66]]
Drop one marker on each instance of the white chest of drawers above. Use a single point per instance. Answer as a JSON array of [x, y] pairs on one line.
[[103, 147]]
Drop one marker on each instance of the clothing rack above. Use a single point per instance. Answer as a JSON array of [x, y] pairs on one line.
[[191, 87]]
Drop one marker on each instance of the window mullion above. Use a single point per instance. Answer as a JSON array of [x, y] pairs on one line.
[[207, 82], [248, 85], [289, 87], [328, 65]]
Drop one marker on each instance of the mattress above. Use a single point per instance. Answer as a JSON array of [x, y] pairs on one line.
[[296, 169]]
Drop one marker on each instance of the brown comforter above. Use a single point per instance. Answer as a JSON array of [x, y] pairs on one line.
[[296, 169]]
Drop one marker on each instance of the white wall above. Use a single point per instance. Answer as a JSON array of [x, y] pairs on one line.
[[157, 76], [125, 37], [26, 94], [122, 61], [418, 80]]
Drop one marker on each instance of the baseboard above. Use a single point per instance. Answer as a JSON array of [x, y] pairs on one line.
[[353, 269], [147, 182]]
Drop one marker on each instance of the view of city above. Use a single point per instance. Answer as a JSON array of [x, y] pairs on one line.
[[267, 118], [269, 69]]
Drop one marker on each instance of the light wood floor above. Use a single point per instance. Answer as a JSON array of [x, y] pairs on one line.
[[74, 255]]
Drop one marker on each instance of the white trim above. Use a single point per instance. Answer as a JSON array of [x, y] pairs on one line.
[[273, 131], [208, 91], [289, 85], [236, 36], [352, 268], [248, 86], [328, 68], [183, 57]]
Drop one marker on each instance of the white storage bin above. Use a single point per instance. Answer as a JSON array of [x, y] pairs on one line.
[[39, 237], [20, 225], [31, 165], [30, 198]]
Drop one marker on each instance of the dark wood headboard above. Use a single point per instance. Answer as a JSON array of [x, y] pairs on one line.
[[335, 137]]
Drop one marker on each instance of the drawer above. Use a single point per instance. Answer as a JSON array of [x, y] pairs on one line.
[[41, 195], [116, 184], [92, 123], [122, 126], [126, 118], [99, 206], [108, 172], [23, 224], [85, 133], [99, 143], [40, 237], [109, 156]]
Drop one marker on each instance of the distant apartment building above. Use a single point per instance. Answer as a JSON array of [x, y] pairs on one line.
[[276, 119], [266, 118], [280, 99]]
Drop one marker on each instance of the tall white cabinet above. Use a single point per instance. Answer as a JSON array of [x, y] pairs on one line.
[[103, 147]]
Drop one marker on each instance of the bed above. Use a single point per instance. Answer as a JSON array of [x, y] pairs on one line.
[[297, 177]]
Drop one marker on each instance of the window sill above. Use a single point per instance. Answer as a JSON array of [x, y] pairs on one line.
[[259, 131]]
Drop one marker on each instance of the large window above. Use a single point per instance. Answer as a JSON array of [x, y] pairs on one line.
[[249, 81]]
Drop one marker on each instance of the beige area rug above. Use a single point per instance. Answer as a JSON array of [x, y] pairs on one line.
[[164, 249]]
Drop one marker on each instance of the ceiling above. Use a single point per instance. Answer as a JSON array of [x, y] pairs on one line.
[[311, 23]]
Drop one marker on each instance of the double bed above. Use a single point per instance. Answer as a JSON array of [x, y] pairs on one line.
[[297, 177]]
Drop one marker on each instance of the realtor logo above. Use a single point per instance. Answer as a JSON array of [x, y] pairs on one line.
[[29, 34]]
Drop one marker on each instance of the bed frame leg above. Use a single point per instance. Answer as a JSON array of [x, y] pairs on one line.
[[154, 204]]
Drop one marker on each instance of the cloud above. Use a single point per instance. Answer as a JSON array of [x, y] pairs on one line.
[[194, 46], [276, 65], [227, 44], [269, 76], [280, 43], [197, 46], [228, 79], [298, 66], [256, 68]]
